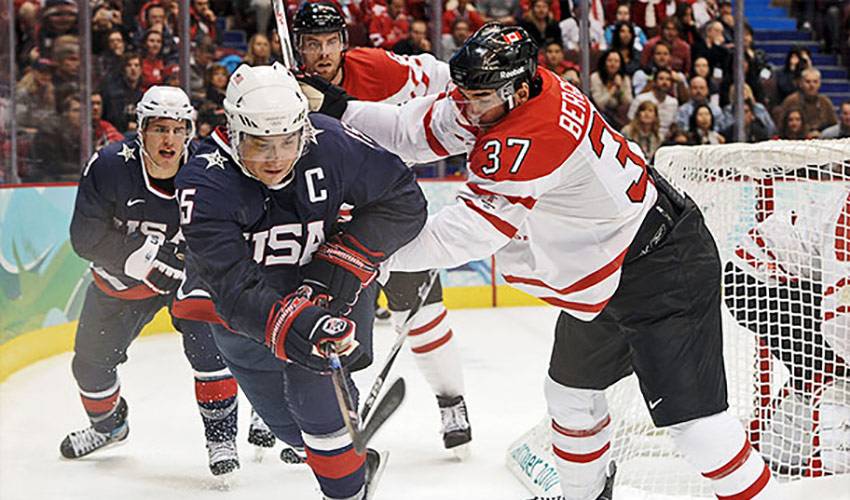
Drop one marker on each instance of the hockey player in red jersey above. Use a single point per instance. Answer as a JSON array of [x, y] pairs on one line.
[[576, 218], [378, 75]]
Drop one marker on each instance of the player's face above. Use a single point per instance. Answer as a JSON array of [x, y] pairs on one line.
[[270, 158], [164, 140], [322, 54], [483, 108]]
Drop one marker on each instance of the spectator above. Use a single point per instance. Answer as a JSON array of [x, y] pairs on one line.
[[699, 97], [648, 14], [818, 112], [58, 17], [389, 25], [56, 147], [105, 19], [625, 43], [644, 129], [570, 32], [793, 126], [463, 9], [757, 57], [703, 69], [122, 92], [540, 24], [754, 129], [659, 94], [556, 7], [759, 111], [712, 47], [203, 19], [680, 51], [727, 19], [417, 43], [573, 77], [217, 77], [788, 78], [461, 30], [259, 51], [153, 63], [553, 59], [702, 127], [203, 55], [611, 88], [661, 60], [623, 16], [104, 132], [688, 29], [502, 11], [841, 129], [26, 28], [66, 78], [705, 11], [109, 61], [35, 97], [153, 17]]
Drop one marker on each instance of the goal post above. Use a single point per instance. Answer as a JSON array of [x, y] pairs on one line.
[[780, 214]]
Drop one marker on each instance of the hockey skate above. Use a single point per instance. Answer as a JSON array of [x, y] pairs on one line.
[[260, 436], [608, 490], [293, 455], [223, 457], [375, 463], [457, 433], [80, 443]]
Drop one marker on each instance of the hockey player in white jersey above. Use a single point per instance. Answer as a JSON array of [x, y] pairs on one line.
[[377, 75], [577, 219], [788, 283]]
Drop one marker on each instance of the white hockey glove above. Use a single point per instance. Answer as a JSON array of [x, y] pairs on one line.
[[157, 264]]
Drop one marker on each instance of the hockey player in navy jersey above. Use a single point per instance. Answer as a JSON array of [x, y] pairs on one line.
[[126, 222], [259, 204]]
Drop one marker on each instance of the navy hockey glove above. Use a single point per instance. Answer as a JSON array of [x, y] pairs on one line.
[[299, 331], [324, 97], [338, 272], [157, 264]]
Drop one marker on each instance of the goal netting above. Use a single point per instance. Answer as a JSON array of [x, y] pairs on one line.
[[780, 214]]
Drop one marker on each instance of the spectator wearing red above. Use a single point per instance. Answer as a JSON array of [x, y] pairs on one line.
[[104, 132], [680, 51], [105, 19], [202, 20], [553, 59], [58, 17], [540, 24], [417, 43], [153, 63], [554, 8], [463, 9], [648, 14], [154, 16], [389, 25], [570, 32]]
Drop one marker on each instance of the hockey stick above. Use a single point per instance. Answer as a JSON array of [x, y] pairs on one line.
[[424, 291], [283, 33]]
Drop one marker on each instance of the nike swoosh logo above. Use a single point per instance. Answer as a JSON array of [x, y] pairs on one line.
[[130, 203], [653, 404]]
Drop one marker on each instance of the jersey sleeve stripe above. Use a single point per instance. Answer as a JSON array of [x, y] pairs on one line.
[[526, 201], [503, 227], [433, 142], [588, 281]]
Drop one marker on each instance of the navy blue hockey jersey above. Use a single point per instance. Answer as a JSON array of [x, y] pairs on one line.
[[247, 242], [117, 206]]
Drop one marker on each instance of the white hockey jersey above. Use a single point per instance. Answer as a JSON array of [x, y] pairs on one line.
[[553, 191], [811, 243], [378, 75]]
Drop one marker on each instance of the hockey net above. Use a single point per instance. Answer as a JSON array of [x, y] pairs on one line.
[[787, 376]]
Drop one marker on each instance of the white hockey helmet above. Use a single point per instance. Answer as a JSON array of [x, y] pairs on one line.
[[263, 101], [161, 101]]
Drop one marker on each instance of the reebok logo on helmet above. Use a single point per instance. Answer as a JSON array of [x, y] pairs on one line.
[[512, 73]]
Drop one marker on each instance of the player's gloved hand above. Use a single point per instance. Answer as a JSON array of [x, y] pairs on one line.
[[156, 263], [338, 272], [323, 96], [299, 331]]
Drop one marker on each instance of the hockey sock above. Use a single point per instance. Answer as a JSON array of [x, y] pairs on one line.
[[581, 438], [340, 471], [100, 407], [435, 351], [717, 447], [216, 395]]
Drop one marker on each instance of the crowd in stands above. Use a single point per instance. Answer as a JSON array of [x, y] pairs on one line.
[[662, 70]]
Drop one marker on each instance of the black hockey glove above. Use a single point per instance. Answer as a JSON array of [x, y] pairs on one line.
[[323, 96], [339, 271], [299, 331], [157, 264]]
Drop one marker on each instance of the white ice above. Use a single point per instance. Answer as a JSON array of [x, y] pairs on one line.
[[506, 352]]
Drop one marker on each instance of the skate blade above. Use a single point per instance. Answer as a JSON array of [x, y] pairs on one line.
[[462, 452], [376, 477], [259, 454], [224, 482]]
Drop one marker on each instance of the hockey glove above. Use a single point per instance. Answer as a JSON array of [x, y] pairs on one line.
[[157, 264], [324, 97], [338, 273], [299, 331]]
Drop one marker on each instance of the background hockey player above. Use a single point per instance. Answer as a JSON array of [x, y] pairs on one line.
[[379, 75], [126, 222], [260, 204], [795, 264], [575, 218]]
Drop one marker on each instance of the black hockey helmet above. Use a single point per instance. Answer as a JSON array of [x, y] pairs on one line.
[[318, 17], [494, 56]]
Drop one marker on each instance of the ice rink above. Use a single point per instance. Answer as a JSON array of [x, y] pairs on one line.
[[505, 351]]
